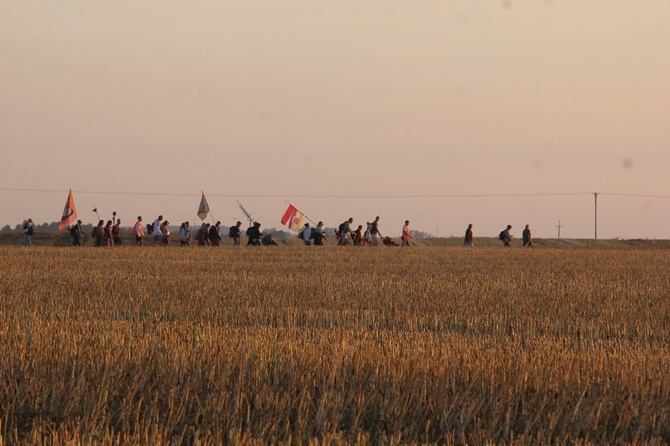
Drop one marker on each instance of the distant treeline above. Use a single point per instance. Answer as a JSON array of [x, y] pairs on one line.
[[276, 233]]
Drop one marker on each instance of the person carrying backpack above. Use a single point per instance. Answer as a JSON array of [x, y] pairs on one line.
[[344, 232], [306, 235], [235, 233], [215, 235], [156, 231], [98, 233], [201, 235], [505, 236], [254, 235], [318, 234], [77, 234], [28, 229]]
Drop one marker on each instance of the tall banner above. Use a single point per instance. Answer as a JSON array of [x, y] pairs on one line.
[[293, 218], [69, 213], [203, 209], [244, 211]]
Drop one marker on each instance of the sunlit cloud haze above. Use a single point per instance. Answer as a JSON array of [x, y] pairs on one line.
[[268, 101]]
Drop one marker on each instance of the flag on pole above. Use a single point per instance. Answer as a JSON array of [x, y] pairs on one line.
[[203, 209], [69, 213], [293, 218], [248, 215]]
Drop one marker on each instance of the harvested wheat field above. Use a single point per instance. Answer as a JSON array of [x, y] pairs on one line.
[[336, 345]]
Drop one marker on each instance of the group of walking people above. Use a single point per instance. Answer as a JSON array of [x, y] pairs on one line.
[[372, 235], [109, 234], [505, 236]]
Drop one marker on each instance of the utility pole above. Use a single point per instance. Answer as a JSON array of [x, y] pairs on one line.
[[595, 197], [559, 226]]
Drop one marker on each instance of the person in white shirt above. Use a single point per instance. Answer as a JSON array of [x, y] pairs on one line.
[[307, 235], [158, 236]]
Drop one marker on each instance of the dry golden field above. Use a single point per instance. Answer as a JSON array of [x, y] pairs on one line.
[[334, 345]]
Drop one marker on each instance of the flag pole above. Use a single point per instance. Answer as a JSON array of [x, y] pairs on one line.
[[248, 215], [95, 209], [302, 213]]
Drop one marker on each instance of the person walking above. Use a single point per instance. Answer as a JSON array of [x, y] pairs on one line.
[[98, 233], [527, 236], [215, 234], [406, 234], [28, 230], [344, 231], [116, 233], [358, 236], [77, 233], [306, 235], [235, 232], [374, 232], [254, 234], [184, 234], [318, 234], [165, 233], [138, 232], [505, 236], [158, 236], [107, 240], [467, 242]]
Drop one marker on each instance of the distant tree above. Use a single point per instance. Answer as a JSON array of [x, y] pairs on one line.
[[6, 228]]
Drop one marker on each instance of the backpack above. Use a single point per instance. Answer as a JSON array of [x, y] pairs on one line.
[[150, 229], [301, 234], [73, 231], [94, 231], [341, 227], [501, 236], [232, 232], [249, 230]]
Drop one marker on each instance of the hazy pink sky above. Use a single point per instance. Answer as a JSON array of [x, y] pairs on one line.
[[342, 98]]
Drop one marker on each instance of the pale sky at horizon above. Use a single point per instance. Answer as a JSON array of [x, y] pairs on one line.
[[342, 98]]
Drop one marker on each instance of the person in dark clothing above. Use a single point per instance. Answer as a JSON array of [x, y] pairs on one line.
[[527, 237], [254, 234], [108, 240], [235, 233], [77, 234], [318, 234], [467, 242], [99, 233], [116, 233], [215, 235], [344, 232]]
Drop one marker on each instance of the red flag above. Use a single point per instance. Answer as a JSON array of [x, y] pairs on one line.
[[69, 213], [292, 217], [290, 212]]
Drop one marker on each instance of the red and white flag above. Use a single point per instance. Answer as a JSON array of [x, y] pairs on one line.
[[293, 218], [69, 213]]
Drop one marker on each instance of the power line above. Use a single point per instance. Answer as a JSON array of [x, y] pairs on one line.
[[177, 194], [194, 194]]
